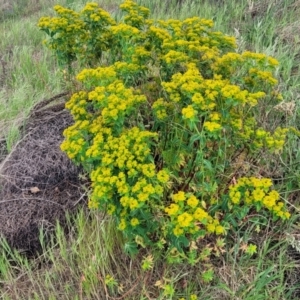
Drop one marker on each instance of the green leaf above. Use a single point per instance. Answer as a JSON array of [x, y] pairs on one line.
[[208, 164], [131, 248], [208, 276]]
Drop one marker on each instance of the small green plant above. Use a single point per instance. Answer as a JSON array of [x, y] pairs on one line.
[[251, 249], [110, 282], [147, 263], [166, 125]]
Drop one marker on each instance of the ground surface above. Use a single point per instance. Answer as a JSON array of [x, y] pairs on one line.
[[38, 182]]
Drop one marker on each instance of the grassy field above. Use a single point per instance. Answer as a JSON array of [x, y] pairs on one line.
[[88, 262]]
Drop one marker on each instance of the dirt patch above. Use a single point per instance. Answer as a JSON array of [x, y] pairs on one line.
[[38, 183]]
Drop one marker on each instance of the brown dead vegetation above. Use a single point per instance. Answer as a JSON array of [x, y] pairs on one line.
[[38, 183]]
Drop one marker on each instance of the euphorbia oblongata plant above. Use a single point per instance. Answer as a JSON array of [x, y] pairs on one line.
[[165, 122]]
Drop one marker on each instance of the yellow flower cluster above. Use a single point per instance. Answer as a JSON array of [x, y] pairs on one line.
[[119, 103], [173, 57], [77, 105], [256, 72], [62, 11], [141, 55], [124, 30], [234, 59], [75, 141], [72, 35], [137, 15], [127, 70], [194, 35], [122, 224], [134, 222], [189, 112], [124, 170], [62, 25], [93, 12], [73, 147], [261, 58], [105, 75], [160, 107], [189, 217], [98, 75], [186, 83], [211, 94], [274, 142], [257, 75], [159, 34], [252, 191], [163, 176], [192, 297], [212, 126]]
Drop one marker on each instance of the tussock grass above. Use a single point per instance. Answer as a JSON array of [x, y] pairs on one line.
[[75, 263]]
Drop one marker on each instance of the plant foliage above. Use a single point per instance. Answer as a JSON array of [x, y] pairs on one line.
[[166, 122]]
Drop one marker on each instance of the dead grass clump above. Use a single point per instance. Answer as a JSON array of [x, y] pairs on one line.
[[261, 7], [38, 183], [290, 33]]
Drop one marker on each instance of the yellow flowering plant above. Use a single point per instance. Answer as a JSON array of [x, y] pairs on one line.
[[161, 124], [79, 36]]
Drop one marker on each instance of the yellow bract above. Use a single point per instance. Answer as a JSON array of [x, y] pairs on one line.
[[254, 190]]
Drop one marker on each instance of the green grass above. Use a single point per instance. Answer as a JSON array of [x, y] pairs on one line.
[[74, 265]]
